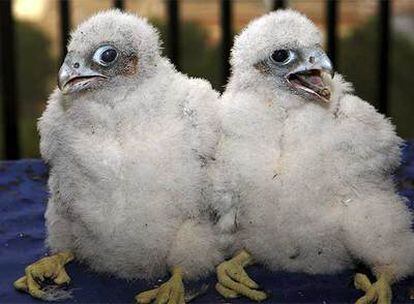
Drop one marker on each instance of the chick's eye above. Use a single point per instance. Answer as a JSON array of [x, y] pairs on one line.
[[108, 56], [105, 55], [281, 56]]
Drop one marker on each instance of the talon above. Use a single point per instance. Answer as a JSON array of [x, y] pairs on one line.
[[163, 294], [234, 281], [146, 297], [21, 284], [362, 282], [62, 278], [378, 292], [171, 292], [51, 267], [226, 292]]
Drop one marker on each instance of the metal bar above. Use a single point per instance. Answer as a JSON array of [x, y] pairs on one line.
[[119, 4], [64, 8], [173, 32], [383, 58], [332, 21], [226, 39], [279, 4], [8, 79]]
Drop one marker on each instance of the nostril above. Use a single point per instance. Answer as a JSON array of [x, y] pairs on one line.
[[76, 65], [312, 59]]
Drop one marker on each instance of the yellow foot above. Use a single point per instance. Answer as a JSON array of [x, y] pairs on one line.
[[234, 281], [379, 292], [171, 292], [51, 267]]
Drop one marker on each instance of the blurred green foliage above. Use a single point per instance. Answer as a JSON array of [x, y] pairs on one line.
[[35, 67], [358, 61]]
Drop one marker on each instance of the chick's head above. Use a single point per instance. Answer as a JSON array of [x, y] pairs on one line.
[[282, 50], [108, 50]]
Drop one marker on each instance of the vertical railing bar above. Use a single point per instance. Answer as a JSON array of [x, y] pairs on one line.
[[226, 37], [119, 4], [279, 4], [64, 8], [383, 58], [173, 32], [332, 21], [8, 78]]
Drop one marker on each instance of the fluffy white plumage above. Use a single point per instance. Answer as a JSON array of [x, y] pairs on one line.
[[128, 160], [303, 185]]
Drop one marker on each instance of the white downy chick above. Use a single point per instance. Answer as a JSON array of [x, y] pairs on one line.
[[303, 175], [128, 140]]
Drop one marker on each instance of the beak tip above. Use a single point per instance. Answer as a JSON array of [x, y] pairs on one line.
[[62, 77]]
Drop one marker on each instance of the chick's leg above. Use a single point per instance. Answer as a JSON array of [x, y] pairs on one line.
[[51, 267], [378, 292], [234, 281], [171, 292]]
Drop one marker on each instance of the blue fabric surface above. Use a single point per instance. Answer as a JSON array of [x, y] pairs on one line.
[[23, 196]]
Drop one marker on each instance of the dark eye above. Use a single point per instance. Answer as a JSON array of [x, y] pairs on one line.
[[108, 56], [105, 55], [282, 56]]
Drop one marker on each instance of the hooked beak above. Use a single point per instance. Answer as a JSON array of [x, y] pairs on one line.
[[309, 77], [74, 76]]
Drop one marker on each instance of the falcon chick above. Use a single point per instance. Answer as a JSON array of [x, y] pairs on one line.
[[128, 140], [303, 176]]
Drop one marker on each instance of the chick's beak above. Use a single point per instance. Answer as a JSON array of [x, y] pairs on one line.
[[310, 75], [75, 76]]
